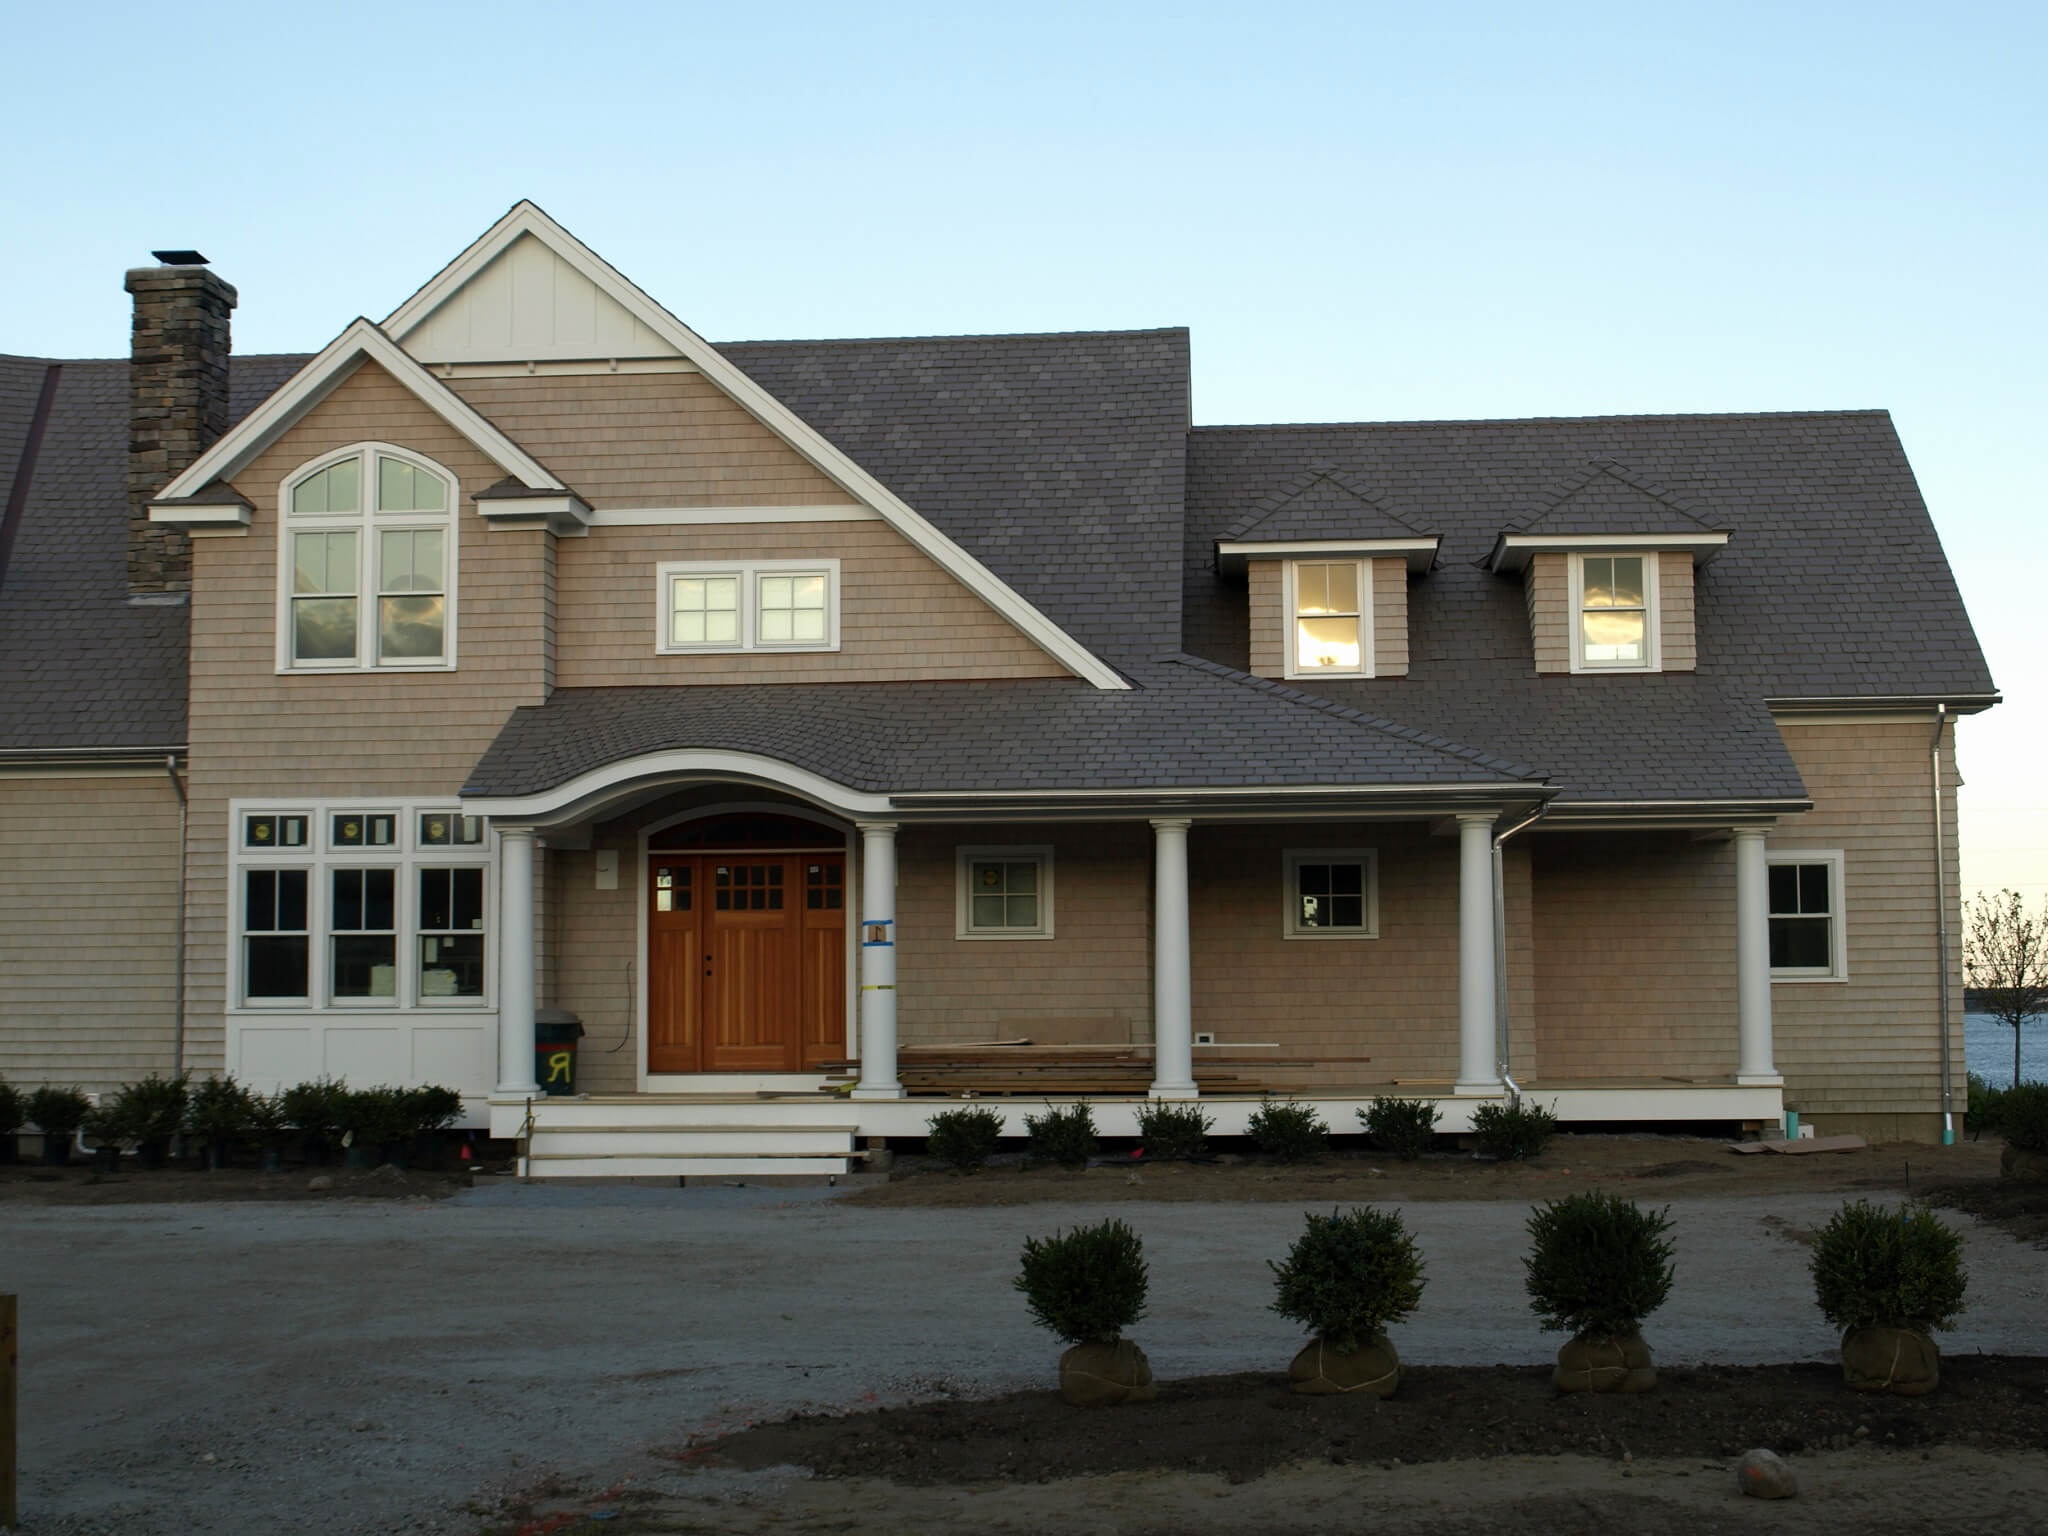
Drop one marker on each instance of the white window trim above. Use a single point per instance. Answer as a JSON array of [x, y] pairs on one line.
[[407, 856], [1290, 926], [1289, 613], [1653, 631], [749, 574], [1838, 891], [964, 857], [366, 524]]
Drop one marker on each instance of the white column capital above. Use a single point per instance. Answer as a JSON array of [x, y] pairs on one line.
[[1477, 818], [524, 834], [876, 828], [1171, 823]]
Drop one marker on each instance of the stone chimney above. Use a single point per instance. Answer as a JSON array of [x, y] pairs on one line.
[[177, 403]]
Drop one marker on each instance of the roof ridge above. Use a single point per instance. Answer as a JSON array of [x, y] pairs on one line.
[[1355, 716], [869, 341], [1835, 413]]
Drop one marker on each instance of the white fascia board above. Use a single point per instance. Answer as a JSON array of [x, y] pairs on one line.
[[694, 517], [1419, 553], [564, 514], [361, 342], [1512, 551], [190, 515], [527, 219], [587, 791]]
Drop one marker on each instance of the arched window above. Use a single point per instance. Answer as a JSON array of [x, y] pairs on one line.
[[367, 557]]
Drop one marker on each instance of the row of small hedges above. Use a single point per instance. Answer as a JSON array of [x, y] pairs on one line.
[[216, 1110], [1597, 1266], [964, 1139]]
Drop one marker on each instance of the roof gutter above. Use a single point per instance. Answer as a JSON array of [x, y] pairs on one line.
[[87, 757], [1887, 704], [178, 942]]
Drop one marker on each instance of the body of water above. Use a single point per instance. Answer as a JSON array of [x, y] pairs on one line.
[[1987, 1045]]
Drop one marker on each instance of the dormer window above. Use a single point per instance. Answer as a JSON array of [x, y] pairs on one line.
[[366, 555], [1330, 636], [1613, 602]]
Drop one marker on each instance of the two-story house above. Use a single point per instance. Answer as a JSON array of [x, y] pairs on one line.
[[949, 715]]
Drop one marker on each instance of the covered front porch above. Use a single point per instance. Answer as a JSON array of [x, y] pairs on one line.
[[1333, 947]]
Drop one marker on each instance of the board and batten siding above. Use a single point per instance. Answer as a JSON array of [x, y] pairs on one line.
[[1870, 1046], [88, 928], [257, 734], [901, 618]]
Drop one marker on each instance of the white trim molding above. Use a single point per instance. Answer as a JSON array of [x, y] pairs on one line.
[[1290, 572], [525, 218], [1512, 551], [965, 857], [1837, 968], [567, 802], [361, 342], [713, 517], [748, 574], [1419, 553]]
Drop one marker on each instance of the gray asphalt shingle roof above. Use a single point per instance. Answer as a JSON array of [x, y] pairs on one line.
[[1066, 464], [81, 664]]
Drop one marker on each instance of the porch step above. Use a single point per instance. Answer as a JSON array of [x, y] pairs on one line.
[[573, 1139]]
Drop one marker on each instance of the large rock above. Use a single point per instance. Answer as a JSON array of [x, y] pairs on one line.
[[1321, 1369], [1605, 1365], [1763, 1475], [1902, 1361], [1098, 1375], [2023, 1167]]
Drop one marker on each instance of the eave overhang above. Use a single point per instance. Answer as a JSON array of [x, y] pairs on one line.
[[1886, 704], [1513, 551], [508, 504], [1667, 815], [1420, 553]]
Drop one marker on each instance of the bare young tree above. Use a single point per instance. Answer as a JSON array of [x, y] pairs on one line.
[[2005, 960]]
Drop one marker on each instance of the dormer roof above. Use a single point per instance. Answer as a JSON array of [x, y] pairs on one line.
[[1609, 505], [1323, 511]]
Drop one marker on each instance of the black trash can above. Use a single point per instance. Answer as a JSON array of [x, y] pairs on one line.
[[555, 1033]]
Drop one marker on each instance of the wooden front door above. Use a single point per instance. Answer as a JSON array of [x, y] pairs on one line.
[[746, 960]]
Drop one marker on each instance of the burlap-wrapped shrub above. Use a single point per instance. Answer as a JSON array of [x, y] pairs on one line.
[[1597, 1266], [1345, 1279], [1888, 1278], [1086, 1287]]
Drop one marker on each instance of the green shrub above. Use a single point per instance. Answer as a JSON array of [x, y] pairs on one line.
[[1598, 1264], [1088, 1284], [963, 1139], [1063, 1136], [1349, 1275], [2023, 1117], [1292, 1132], [1984, 1104], [1404, 1127], [1168, 1131], [429, 1108], [1513, 1132], [152, 1111], [316, 1108], [105, 1126], [268, 1121], [1874, 1266], [220, 1109], [13, 1108], [375, 1117], [58, 1111]]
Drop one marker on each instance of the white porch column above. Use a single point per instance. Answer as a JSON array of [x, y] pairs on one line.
[[878, 962], [1755, 1066], [1478, 1070], [515, 962], [1173, 1019]]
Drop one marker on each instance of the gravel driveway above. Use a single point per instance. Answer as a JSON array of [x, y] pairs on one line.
[[367, 1366]]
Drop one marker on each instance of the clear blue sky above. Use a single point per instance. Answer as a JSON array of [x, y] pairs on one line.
[[1491, 210]]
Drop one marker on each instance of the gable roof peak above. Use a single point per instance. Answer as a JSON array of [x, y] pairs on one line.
[[1599, 498], [1321, 501]]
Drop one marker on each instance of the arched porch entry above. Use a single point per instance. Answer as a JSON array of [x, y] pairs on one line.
[[746, 941]]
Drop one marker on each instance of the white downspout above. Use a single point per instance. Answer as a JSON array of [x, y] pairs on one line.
[[1500, 948], [178, 946], [1948, 1082]]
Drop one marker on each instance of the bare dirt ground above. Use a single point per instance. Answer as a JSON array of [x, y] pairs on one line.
[[1643, 1167], [78, 1184]]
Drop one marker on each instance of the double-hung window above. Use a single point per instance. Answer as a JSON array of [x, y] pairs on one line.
[[1332, 893], [1614, 613], [747, 605], [359, 907], [366, 576], [1329, 632], [1808, 938]]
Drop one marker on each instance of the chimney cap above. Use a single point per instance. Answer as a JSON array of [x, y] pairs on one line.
[[180, 258]]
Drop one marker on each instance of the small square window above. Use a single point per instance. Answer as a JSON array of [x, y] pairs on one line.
[[364, 829], [1332, 893], [771, 605], [269, 831], [1005, 893], [450, 829]]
